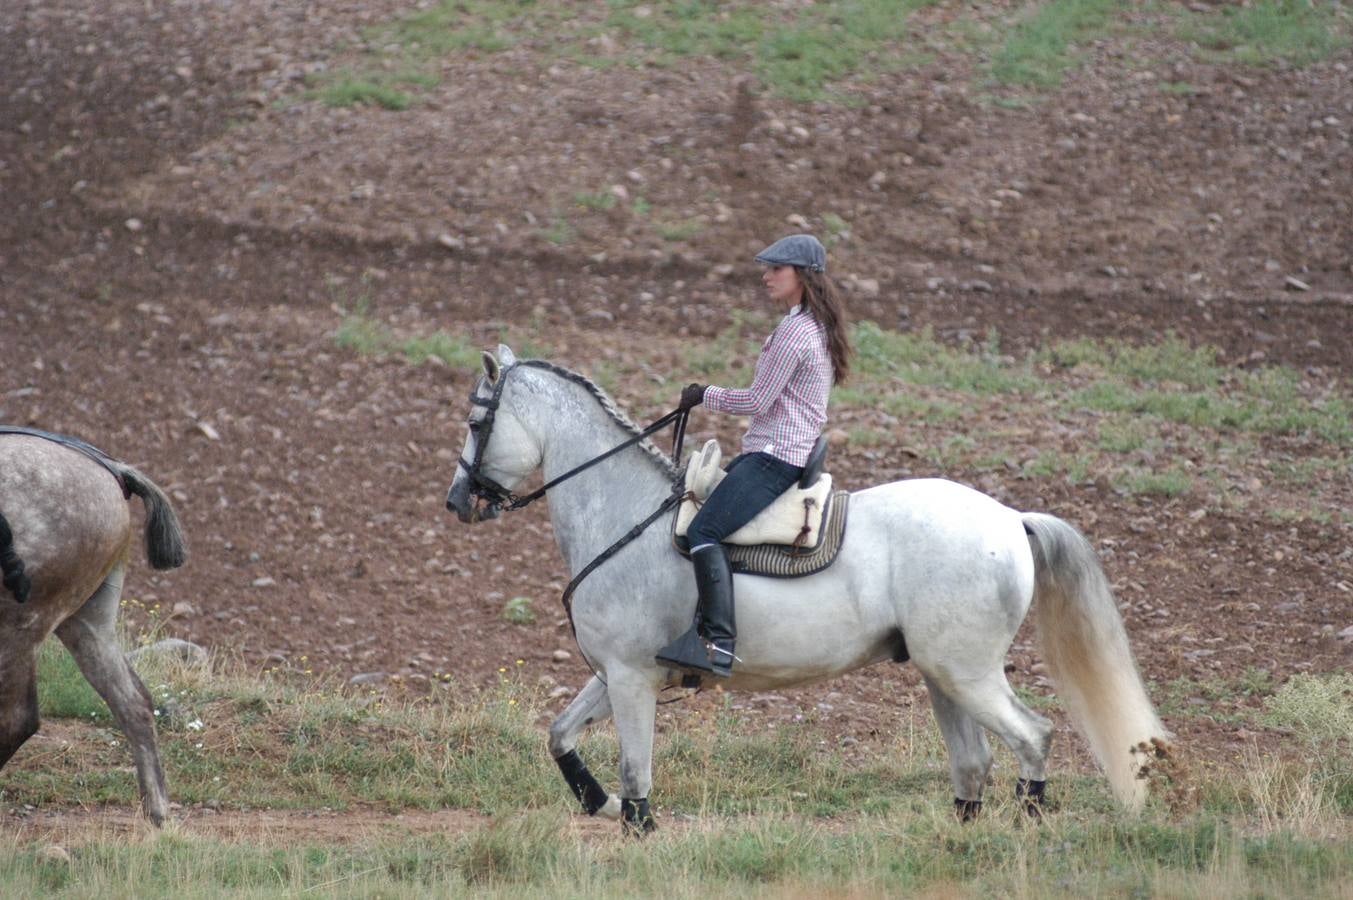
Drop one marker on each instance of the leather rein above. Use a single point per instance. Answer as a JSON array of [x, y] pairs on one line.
[[498, 497]]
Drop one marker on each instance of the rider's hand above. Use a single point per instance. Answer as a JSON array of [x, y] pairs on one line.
[[692, 395]]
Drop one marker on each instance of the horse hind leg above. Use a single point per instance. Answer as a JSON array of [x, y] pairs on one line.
[[969, 753], [90, 636], [994, 706], [592, 705], [18, 701]]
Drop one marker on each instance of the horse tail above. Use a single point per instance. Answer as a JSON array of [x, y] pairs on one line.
[[15, 579], [165, 547], [1085, 648]]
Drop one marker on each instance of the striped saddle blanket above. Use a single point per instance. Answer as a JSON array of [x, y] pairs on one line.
[[799, 534]]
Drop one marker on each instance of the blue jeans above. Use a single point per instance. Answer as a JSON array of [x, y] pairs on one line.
[[752, 482]]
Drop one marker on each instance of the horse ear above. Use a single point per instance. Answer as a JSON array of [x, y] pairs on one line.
[[491, 367], [505, 355]]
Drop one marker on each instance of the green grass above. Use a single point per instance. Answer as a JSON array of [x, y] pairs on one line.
[[559, 231], [1040, 47], [1178, 383], [597, 201], [351, 91], [882, 356], [65, 694], [679, 231], [1163, 419], [785, 813], [813, 51], [531, 854], [1172, 482], [798, 53], [1263, 32], [365, 335], [519, 611]]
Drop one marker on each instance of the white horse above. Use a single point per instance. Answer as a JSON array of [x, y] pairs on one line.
[[929, 568], [65, 535]]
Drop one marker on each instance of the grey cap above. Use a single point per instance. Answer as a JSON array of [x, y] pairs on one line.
[[802, 250]]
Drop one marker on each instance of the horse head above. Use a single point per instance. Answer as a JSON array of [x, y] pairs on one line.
[[489, 470]]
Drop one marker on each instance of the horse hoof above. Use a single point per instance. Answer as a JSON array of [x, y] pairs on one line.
[[635, 818], [967, 810], [611, 809]]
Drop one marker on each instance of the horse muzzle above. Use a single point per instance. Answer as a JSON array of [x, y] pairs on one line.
[[461, 501]]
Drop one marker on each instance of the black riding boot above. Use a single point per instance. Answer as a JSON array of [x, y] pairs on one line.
[[707, 646]]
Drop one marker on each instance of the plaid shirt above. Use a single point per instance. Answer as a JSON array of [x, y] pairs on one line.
[[788, 397]]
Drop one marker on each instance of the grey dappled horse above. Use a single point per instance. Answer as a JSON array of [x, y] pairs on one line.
[[65, 537], [929, 567]]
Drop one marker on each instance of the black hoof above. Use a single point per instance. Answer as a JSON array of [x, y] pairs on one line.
[[967, 810], [635, 819], [1031, 792]]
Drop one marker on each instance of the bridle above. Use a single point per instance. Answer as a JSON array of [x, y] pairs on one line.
[[498, 497]]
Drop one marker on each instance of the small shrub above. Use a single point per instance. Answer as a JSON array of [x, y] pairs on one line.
[[523, 848], [518, 611], [1319, 709], [352, 91]]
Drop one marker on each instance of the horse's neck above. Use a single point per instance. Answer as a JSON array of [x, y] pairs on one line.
[[591, 510]]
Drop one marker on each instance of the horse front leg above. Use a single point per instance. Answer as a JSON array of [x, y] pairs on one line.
[[592, 705], [634, 697]]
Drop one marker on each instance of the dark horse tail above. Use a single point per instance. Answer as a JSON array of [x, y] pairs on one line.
[[165, 547], [16, 580]]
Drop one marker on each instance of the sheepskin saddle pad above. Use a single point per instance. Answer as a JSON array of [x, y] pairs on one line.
[[798, 534]]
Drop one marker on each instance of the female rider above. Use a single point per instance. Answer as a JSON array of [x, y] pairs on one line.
[[804, 356]]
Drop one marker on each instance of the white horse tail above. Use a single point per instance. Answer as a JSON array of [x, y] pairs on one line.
[[1085, 648], [165, 547]]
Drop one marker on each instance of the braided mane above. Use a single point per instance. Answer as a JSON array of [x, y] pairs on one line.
[[611, 409]]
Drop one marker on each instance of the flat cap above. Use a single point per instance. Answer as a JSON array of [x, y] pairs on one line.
[[802, 250]]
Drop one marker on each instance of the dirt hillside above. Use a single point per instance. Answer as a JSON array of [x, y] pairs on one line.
[[187, 227]]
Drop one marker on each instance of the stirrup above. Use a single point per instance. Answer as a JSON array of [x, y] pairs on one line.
[[687, 654], [720, 660]]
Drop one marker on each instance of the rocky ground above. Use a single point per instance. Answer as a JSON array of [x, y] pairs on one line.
[[188, 228]]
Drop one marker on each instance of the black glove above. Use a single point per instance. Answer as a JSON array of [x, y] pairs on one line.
[[692, 395]]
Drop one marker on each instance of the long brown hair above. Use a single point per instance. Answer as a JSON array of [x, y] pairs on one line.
[[823, 302]]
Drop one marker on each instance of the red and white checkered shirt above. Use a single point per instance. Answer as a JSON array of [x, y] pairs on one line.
[[788, 397]]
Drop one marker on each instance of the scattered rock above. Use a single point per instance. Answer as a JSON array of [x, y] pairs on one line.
[[207, 430], [175, 648]]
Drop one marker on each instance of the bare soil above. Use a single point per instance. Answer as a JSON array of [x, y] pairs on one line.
[[185, 230]]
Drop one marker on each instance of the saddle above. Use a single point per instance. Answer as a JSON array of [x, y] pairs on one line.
[[798, 534]]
